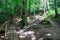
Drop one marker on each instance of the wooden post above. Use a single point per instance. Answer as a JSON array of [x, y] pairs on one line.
[[6, 25]]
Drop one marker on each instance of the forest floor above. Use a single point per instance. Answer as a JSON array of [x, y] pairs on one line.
[[40, 30]]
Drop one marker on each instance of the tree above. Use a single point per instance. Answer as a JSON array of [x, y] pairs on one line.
[[24, 14], [55, 7]]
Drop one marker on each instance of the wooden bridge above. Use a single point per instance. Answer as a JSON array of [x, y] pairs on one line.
[[11, 34], [10, 31]]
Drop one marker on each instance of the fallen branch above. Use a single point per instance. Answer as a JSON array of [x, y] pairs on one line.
[[35, 22]]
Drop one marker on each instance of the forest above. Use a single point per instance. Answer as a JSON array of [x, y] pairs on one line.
[[29, 19]]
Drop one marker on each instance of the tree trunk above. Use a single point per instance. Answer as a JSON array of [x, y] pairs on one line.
[[55, 7], [24, 14]]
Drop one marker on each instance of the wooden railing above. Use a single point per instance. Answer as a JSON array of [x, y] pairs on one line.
[[5, 25]]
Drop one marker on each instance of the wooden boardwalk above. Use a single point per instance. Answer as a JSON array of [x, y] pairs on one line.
[[11, 33]]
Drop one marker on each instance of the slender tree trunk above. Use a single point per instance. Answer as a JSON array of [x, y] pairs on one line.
[[24, 14], [55, 7], [48, 6]]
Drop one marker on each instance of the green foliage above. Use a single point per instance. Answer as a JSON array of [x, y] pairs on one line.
[[13, 7], [3, 17]]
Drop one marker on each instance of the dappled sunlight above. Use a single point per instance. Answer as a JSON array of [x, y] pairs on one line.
[[23, 34], [29, 20]]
